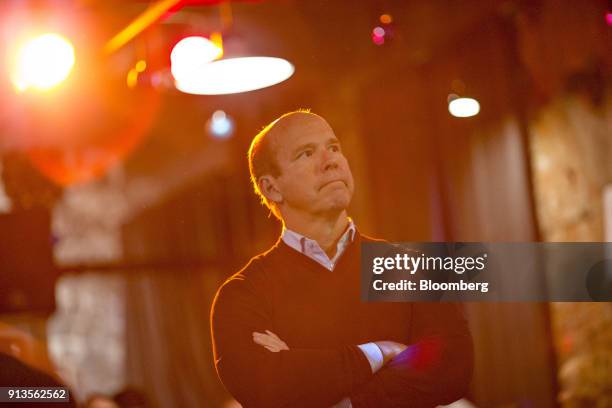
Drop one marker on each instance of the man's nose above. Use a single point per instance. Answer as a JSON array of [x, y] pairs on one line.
[[330, 160]]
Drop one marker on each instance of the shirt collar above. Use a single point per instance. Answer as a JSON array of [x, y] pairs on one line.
[[290, 236], [311, 248]]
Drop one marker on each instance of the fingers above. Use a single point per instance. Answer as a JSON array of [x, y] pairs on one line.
[[269, 336], [273, 335], [264, 339], [282, 343], [270, 341]]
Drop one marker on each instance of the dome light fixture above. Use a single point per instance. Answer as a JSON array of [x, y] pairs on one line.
[[463, 107], [235, 75]]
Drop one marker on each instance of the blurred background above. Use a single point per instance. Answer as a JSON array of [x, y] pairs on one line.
[[124, 192]]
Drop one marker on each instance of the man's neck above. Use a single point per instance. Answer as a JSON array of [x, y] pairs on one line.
[[325, 230]]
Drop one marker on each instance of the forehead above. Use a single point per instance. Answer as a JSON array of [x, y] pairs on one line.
[[300, 131]]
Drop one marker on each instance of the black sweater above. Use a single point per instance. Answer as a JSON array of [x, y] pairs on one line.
[[318, 313]]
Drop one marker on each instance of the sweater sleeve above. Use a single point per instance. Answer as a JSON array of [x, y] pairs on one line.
[[435, 369], [257, 377]]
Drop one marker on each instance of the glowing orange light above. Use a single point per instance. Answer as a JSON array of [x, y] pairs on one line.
[[43, 62], [386, 19], [132, 78], [217, 39], [141, 66]]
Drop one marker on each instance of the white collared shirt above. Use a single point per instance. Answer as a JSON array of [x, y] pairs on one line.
[[313, 250]]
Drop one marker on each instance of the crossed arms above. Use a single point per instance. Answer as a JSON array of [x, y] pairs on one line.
[[260, 370]]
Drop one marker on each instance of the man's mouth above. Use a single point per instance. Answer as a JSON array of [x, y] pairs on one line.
[[331, 182]]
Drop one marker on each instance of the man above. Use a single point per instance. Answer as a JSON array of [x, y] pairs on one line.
[[289, 329]]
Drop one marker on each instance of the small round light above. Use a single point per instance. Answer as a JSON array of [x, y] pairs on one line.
[[220, 125], [378, 35], [141, 66], [386, 19], [463, 107], [379, 32]]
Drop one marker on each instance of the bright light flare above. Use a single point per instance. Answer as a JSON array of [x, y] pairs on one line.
[[43, 62], [386, 19], [236, 75], [463, 107], [378, 35], [379, 31], [220, 125], [191, 53]]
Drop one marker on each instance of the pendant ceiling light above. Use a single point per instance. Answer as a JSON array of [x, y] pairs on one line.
[[195, 63], [235, 75], [202, 75]]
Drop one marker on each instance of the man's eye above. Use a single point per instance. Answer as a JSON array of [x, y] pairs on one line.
[[305, 153], [334, 148]]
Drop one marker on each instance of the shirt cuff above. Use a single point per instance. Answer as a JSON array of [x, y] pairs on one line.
[[373, 354], [345, 403]]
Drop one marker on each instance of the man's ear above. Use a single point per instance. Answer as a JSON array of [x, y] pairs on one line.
[[268, 187]]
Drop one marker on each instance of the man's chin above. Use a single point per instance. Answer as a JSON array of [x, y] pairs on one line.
[[339, 203]]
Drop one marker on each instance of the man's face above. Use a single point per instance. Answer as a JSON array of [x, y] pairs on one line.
[[315, 177]]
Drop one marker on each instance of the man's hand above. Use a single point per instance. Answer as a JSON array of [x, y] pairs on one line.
[[390, 349], [270, 341]]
